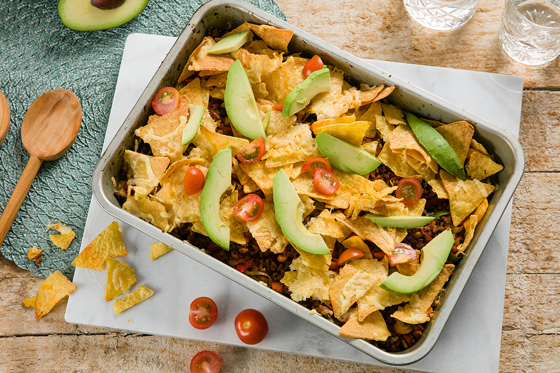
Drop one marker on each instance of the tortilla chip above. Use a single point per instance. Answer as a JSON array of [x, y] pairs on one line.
[[200, 60], [65, 238], [108, 243], [356, 242], [439, 189], [159, 249], [377, 299], [325, 122], [139, 295], [403, 140], [386, 91], [393, 114], [458, 135], [470, 225], [213, 142], [30, 302], [276, 124], [370, 147], [368, 230], [262, 175], [396, 162], [120, 278], [34, 252], [144, 171], [260, 47], [371, 115], [325, 225], [275, 38], [267, 232], [416, 310], [348, 287], [148, 209], [352, 132], [478, 147], [372, 328], [291, 146], [481, 166], [280, 82], [305, 282], [368, 94], [383, 127], [218, 81], [320, 262], [51, 291], [332, 104]]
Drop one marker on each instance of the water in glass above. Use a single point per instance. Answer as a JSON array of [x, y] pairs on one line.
[[441, 14]]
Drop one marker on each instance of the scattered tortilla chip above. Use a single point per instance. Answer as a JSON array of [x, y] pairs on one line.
[[458, 135], [368, 230], [213, 142], [325, 225], [416, 310], [159, 249], [470, 225], [325, 122], [352, 132], [30, 302], [291, 146], [120, 278], [34, 252], [139, 295], [280, 82], [108, 243], [65, 238], [306, 282], [275, 38], [393, 114], [267, 232], [51, 291], [148, 209], [480, 166], [356, 242], [348, 287], [372, 328]]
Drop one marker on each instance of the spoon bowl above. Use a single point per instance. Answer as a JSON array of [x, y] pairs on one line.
[[4, 118], [48, 130]]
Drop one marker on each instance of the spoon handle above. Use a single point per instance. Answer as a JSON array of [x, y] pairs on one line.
[[22, 187]]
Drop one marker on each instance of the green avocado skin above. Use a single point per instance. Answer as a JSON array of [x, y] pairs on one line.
[[345, 156], [404, 221], [80, 15], [434, 256], [317, 82]]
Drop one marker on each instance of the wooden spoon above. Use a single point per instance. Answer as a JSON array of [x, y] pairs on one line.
[[48, 130], [4, 118]]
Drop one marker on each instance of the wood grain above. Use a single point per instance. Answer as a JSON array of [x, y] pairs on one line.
[[4, 118]]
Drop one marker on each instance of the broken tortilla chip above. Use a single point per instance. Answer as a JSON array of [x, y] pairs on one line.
[[139, 295], [120, 277], [393, 114], [65, 238], [372, 328], [51, 291], [108, 243], [159, 249], [352, 132], [275, 38], [348, 287], [481, 166], [267, 232], [30, 302], [34, 252], [470, 225], [356, 242]]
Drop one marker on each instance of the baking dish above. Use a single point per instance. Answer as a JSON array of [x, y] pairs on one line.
[[221, 14]]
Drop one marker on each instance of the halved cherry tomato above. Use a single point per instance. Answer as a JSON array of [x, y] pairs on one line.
[[410, 190], [325, 182], [249, 208], [402, 253], [206, 362], [348, 254], [314, 64], [313, 164], [251, 326], [378, 255], [166, 100], [203, 313], [243, 267], [194, 180], [253, 152], [279, 106]]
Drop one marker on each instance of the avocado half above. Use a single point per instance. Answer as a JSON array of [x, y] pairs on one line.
[[80, 15]]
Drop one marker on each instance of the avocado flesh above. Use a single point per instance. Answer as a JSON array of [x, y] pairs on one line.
[[240, 103], [195, 117], [345, 156], [403, 221], [438, 148], [434, 256], [230, 43], [218, 180], [288, 209], [80, 15], [317, 82]]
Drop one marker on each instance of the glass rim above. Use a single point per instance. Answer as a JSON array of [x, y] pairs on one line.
[[510, 2]]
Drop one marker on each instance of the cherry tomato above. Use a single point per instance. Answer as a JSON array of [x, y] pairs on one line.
[[314, 64], [194, 180], [378, 255], [253, 152], [348, 254], [313, 164], [166, 100], [402, 253], [249, 208], [410, 190], [251, 326], [325, 182], [243, 267], [279, 106], [203, 313], [206, 362]]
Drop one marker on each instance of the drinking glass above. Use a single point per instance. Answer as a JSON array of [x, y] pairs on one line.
[[441, 14], [530, 30]]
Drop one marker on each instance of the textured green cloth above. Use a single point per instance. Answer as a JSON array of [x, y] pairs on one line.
[[37, 54]]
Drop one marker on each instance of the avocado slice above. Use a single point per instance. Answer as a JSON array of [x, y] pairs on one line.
[[218, 180], [195, 118], [436, 146], [288, 209], [403, 221], [230, 43], [80, 15], [434, 256], [240, 103], [317, 82], [345, 156]]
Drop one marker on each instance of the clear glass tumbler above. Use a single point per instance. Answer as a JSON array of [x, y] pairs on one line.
[[530, 30], [441, 15]]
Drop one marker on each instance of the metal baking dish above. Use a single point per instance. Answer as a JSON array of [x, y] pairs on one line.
[[223, 14]]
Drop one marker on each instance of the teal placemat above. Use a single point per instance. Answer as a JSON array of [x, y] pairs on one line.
[[37, 54]]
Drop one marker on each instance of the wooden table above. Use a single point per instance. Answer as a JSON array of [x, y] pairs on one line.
[[379, 29]]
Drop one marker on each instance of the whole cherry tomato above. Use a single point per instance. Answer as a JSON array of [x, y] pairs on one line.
[[348, 254], [166, 100], [206, 362], [313, 164], [314, 64], [253, 152], [194, 180], [410, 190], [325, 182], [251, 326], [249, 208], [203, 313]]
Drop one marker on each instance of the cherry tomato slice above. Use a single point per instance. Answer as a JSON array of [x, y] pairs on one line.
[[325, 182], [348, 254], [313, 164], [402, 253], [194, 180], [253, 152], [203, 313], [166, 100], [249, 208], [279, 106], [251, 326], [410, 190], [206, 362], [314, 64]]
